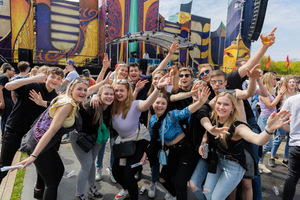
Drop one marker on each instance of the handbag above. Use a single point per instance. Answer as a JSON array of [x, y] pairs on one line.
[[125, 149], [162, 154], [86, 142]]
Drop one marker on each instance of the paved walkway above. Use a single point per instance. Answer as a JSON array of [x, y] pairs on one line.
[[67, 186]]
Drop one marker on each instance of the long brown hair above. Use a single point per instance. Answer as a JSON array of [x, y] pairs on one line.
[[99, 112], [234, 116], [127, 103]]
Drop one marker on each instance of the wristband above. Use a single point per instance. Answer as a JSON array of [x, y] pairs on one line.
[[32, 155], [159, 88], [270, 133]]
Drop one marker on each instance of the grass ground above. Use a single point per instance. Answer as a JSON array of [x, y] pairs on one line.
[[17, 191]]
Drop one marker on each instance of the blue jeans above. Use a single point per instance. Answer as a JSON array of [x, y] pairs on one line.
[[280, 135], [293, 175], [262, 122], [155, 173], [219, 185], [99, 161], [198, 178], [256, 182]]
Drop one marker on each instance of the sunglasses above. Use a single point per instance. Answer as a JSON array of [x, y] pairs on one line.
[[213, 82], [205, 72], [184, 75], [228, 91], [121, 81]]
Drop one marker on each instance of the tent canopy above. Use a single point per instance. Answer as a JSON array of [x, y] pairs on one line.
[[160, 38]]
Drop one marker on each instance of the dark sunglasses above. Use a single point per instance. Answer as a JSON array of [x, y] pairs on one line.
[[213, 82], [186, 75], [228, 91], [205, 72]]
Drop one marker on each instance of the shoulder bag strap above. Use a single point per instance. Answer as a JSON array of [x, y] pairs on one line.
[[163, 133]]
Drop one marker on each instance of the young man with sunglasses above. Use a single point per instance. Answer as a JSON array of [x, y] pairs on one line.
[[205, 71]]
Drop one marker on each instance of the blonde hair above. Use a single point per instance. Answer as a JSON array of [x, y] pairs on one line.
[[234, 116], [70, 88], [205, 65], [267, 81], [286, 83], [42, 69], [163, 90], [127, 103]]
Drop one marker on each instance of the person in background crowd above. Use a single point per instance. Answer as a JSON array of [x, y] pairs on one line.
[[6, 102], [291, 180], [268, 106], [33, 71], [87, 76], [290, 84], [24, 68], [146, 55]]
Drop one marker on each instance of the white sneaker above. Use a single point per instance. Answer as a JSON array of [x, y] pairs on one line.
[[123, 194], [98, 174], [168, 196], [110, 175], [152, 189], [264, 169]]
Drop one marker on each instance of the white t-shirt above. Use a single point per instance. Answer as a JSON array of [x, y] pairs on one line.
[[293, 106]]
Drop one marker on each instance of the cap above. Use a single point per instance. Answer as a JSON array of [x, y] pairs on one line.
[[71, 62]]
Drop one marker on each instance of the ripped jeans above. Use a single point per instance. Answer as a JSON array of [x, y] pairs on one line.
[[219, 185]]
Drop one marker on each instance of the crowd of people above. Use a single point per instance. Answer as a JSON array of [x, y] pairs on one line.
[[204, 133]]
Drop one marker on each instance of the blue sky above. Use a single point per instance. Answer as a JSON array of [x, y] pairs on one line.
[[283, 14]]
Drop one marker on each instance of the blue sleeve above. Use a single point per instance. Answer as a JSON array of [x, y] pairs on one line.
[[178, 115]]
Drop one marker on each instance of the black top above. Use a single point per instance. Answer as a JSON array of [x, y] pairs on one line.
[[25, 111], [212, 93], [235, 148], [142, 95], [3, 80], [180, 105], [234, 81]]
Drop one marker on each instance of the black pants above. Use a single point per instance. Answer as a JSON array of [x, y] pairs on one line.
[[124, 175], [50, 167], [10, 145], [293, 175], [178, 171]]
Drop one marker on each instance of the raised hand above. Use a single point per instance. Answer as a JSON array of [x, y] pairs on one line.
[[203, 94], [276, 121], [282, 90], [41, 77], [174, 71], [141, 84], [195, 88], [95, 101], [219, 132], [174, 47], [107, 78], [164, 81], [106, 62], [36, 97], [254, 73], [271, 38]]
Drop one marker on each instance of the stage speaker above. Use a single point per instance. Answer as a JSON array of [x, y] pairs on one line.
[[25, 55], [143, 65], [259, 11]]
